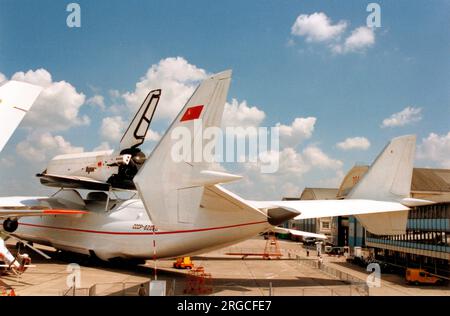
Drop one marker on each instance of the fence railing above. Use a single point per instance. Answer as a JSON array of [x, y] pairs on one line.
[[117, 289], [357, 286]]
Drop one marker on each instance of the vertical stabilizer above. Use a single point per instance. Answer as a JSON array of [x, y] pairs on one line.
[[16, 99], [136, 131], [170, 187], [388, 179]]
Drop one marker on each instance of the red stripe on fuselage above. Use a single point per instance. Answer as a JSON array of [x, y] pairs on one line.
[[142, 233]]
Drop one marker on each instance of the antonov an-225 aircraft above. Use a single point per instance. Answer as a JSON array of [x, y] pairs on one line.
[[183, 210]]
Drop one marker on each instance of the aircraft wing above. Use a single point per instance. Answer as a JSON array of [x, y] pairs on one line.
[[379, 217], [73, 182], [16, 99], [295, 232]]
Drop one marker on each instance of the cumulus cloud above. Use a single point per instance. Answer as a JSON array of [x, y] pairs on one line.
[[58, 106], [2, 77], [112, 128], [97, 100], [317, 27], [407, 116], [153, 136], [354, 143], [241, 114], [435, 148], [41, 146], [360, 39], [295, 170], [300, 129], [177, 79]]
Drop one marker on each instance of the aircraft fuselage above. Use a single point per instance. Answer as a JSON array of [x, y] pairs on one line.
[[126, 231]]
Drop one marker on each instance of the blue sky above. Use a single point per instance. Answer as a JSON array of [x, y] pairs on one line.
[[282, 74]]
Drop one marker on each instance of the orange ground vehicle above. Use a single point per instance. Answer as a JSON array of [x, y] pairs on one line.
[[419, 276], [183, 263]]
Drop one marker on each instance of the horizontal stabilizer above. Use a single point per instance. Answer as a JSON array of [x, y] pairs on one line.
[[209, 177], [412, 202], [331, 208], [295, 232]]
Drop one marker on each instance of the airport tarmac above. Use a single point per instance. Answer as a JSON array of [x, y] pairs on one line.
[[230, 275]]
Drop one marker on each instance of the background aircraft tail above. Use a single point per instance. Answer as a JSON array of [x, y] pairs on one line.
[[16, 99]]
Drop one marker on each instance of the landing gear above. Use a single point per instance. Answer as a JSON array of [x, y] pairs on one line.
[[10, 225]]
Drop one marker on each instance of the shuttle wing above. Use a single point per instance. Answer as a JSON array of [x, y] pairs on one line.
[[73, 182], [16, 99]]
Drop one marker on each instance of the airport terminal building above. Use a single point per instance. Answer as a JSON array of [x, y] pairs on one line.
[[426, 243]]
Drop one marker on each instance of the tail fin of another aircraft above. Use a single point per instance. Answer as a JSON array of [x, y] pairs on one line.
[[389, 177], [16, 98], [172, 188], [136, 131]]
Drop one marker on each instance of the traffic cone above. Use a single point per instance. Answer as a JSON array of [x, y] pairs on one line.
[[12, 293]]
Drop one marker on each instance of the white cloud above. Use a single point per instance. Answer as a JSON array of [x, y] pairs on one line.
[[354, 143], [296, 169], [58, 105], [40, 147], [103, 146], [153, 135], [112, 128], [333, 182], [317, 158], [240, 114], [2, 77], [435, 148], [97, 100], [177, 79], [361, 38], [300, 129], [317, 27], [407, 116]]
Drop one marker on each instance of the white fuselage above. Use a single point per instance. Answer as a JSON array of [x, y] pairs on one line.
[[127, 232]]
